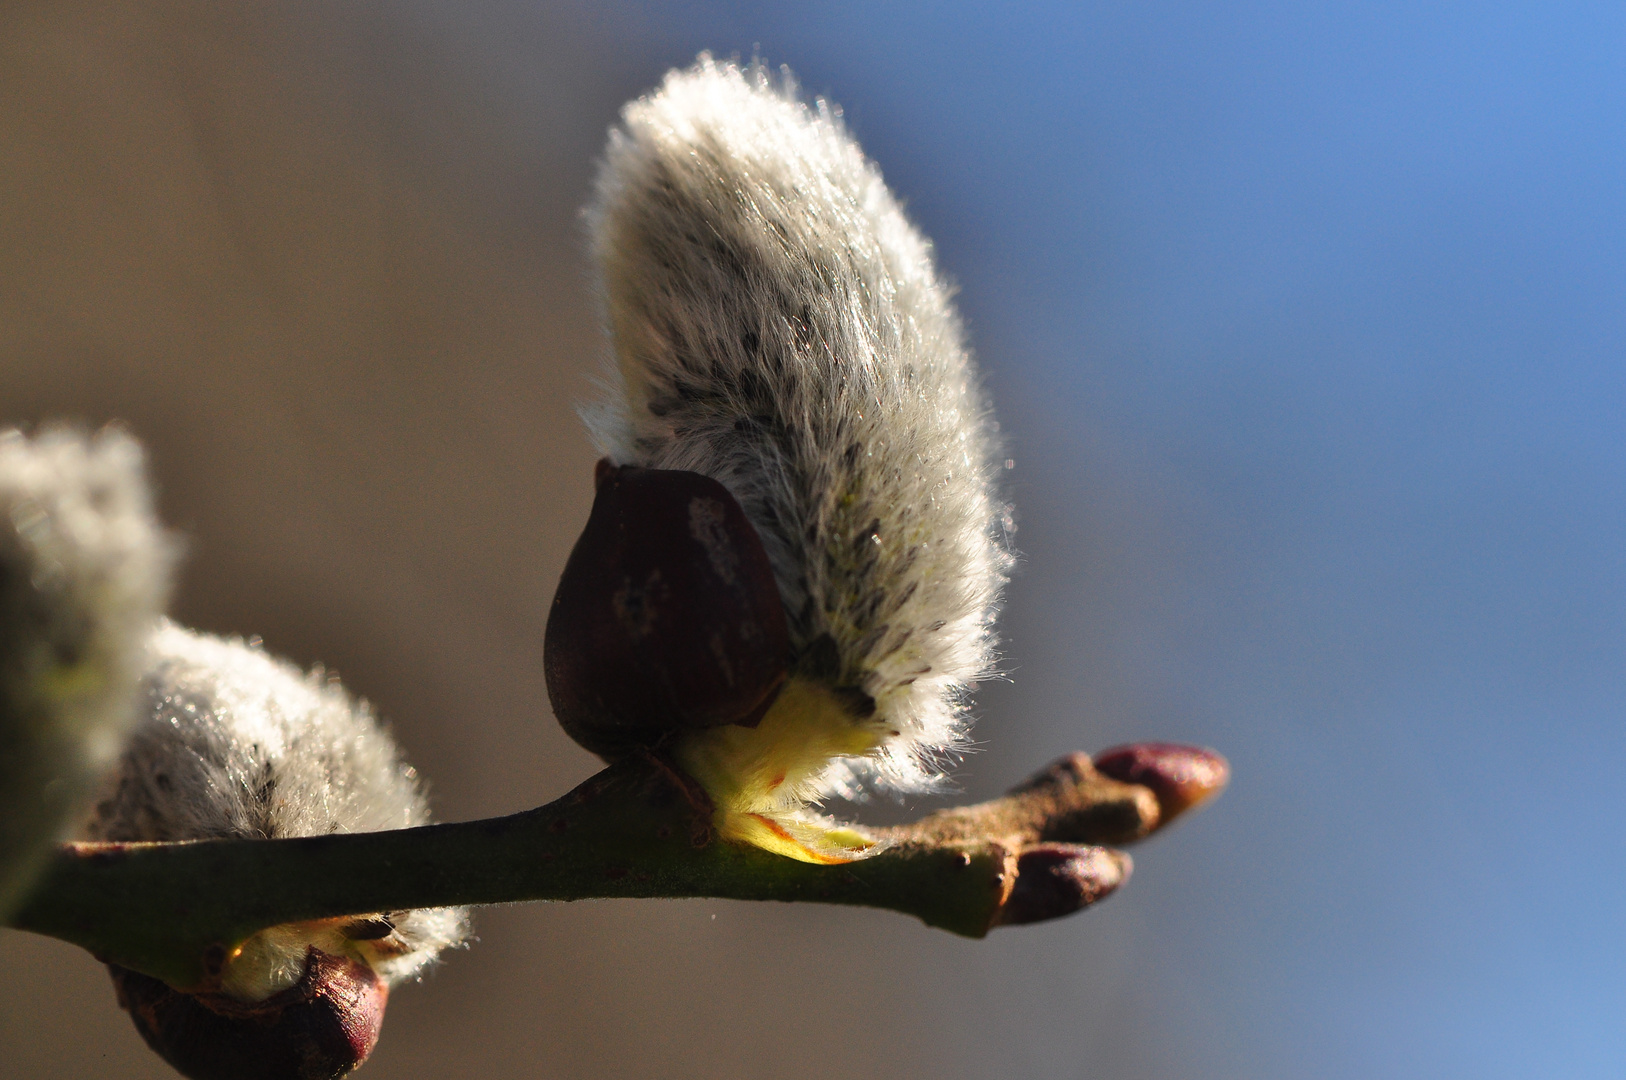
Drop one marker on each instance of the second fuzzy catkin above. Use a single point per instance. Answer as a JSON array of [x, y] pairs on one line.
[[234, 743], [778, 325]]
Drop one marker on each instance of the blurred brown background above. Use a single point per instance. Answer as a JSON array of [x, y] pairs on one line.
[[329, 269]]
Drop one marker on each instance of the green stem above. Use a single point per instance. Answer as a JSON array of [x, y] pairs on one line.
[[634, 830]]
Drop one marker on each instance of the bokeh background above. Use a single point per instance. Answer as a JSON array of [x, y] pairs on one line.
[[1304, 323]]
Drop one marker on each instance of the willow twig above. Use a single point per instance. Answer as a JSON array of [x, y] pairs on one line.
[[637, 829]]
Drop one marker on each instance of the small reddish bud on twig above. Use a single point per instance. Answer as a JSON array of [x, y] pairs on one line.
[[320, 1028], [1053, 880], [1182, 777]]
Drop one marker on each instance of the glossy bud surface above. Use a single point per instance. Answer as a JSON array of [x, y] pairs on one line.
[[320, 1028], [1182, 777], [1053, 880], [667, 618]]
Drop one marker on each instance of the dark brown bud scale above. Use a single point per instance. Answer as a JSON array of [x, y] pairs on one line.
[[1053, 880], [667, 617], [1182, 777], [320, 1028]]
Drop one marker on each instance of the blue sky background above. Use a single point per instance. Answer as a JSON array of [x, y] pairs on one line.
[[1305, 326]]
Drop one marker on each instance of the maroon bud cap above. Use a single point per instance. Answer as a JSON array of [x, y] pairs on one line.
[[1182, 777], [667, 616], [1053, 880], [320, 1028]]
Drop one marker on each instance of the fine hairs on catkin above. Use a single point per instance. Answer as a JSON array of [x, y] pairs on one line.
[[779, 325]]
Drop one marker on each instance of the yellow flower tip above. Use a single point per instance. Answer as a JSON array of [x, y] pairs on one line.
[[274, 959], [801, 837], [761, 779]]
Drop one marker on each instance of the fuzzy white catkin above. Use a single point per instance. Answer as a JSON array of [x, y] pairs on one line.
[[236, 743], [84, 573], [778, 325]]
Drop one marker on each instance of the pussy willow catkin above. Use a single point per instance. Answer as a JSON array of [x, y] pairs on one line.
[[778, 325], [233, 742]]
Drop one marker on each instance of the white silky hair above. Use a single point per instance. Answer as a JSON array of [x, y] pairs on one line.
[[778, 325], [84, 573], [236, 743]]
